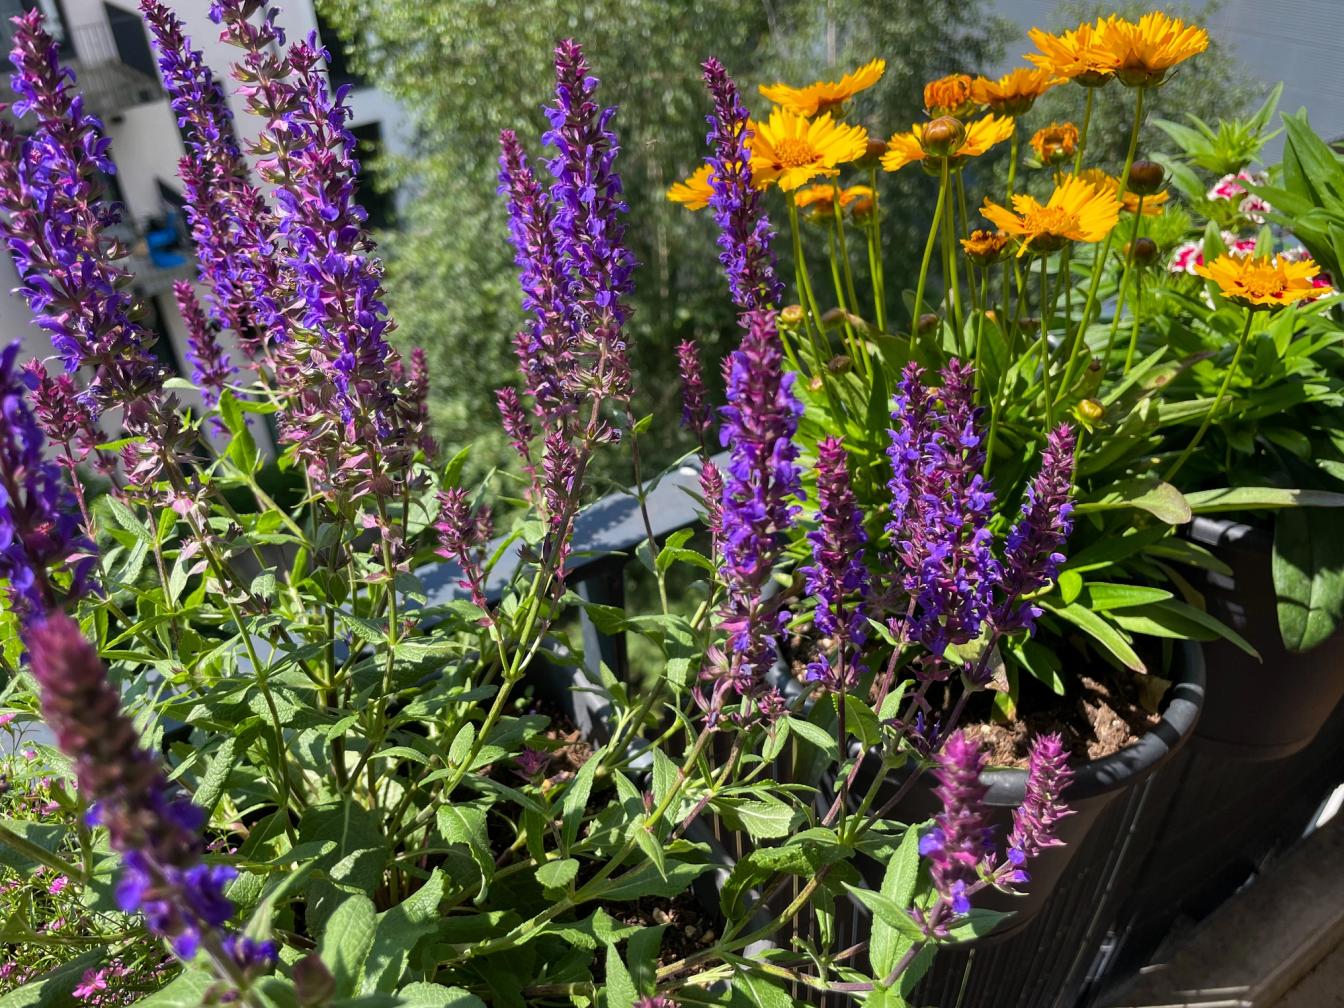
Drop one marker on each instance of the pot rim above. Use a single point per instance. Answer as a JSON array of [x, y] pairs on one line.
[[1135, 761], [1228, 532]]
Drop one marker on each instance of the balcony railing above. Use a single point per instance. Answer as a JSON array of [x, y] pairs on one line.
[[114, 65]]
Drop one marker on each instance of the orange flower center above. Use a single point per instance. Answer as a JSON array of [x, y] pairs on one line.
[[1050, 220], [792, 152], [1262, 281]]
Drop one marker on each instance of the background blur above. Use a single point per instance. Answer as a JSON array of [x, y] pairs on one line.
[[434, 82]]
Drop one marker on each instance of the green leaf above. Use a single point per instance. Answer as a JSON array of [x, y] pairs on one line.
[[398, 930], [1162, 500], [861, 720], [1308, 568], [576, 801], [888, 911], [432, 995], [646, 881], [1259, 499], [816, 735], [762, 818], [641, 955], [127, 519], [621, 989], [1178, 620], [978, 923], [212, 784], [465, 824], [1099, 630], [557, 874], [55, 989], [759, 992], [1102, 596], [887, 944], [346, 941]]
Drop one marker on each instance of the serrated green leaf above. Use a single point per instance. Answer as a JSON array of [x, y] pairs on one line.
[[898, 885], [558, 874], [346, 941]]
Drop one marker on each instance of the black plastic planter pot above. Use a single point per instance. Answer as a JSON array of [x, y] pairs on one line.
[[1266, 709], [1041, 957]]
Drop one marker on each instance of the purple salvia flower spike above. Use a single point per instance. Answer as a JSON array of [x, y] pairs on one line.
[[1032, 550], [546, 355], [744, 229], [960, 842], [231, 225], [761, 484], [695, 412], [210, 365], [589, 223], [57, 227], [39, 517], [837, 577], [1035, 820], [156, 832]]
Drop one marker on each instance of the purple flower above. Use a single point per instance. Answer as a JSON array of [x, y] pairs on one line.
[[837, 577], [762, 482], [231, 225], [546, 354], [62, 414], [1032, 556], [960, 841], [655, 1001], [744, 230], [1034, 821], [695, 414], [58, 226], [589, 222], [156, 832], [39, 519], [514, 419], [561, 483], [463, 535], [209, 363], [941, 506]]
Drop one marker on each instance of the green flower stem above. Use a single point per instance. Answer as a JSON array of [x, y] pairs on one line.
[[950, 273], [38, 853], [1099, 264], [804, 283], [852, 302], [1013, 142], [1045, 346], [980, 332], [928, 252], [1217, 401], [875, 265], [1082, 134]]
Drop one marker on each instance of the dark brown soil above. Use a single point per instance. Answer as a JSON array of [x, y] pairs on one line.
[[689, 928], [565, 743], [1097, 716]]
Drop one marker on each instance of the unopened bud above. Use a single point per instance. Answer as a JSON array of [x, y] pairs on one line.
[[1091, 410], [1145, 251], [861, 207], [927, 323], [943, 137], [840, 363], [872, 154], [1146, 177], [791, 315], [314, 986]]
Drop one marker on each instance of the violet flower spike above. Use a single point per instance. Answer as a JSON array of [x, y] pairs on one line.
[[210, 367], [546, 354], [57, 227], [762, 481], [1036, 819], [1033, 548], [837, 577], [39, 517], [156, 831], [231, 225], [960, 841], [744, 229], [941, 507], [463, 535], [695, 412], [590, 224]]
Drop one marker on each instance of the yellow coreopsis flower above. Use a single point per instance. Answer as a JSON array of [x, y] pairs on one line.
[[790, 150], [949, 95], [693, 193], [821, 198], [1076, 211], [1152, 203], [1055, 143], [1014, 93], [984, 247], [1080, 55], [821, 96], [980, 136], [1262, 282], [1146, 49]]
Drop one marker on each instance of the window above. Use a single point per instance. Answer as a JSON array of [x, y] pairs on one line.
[[378, 202]]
